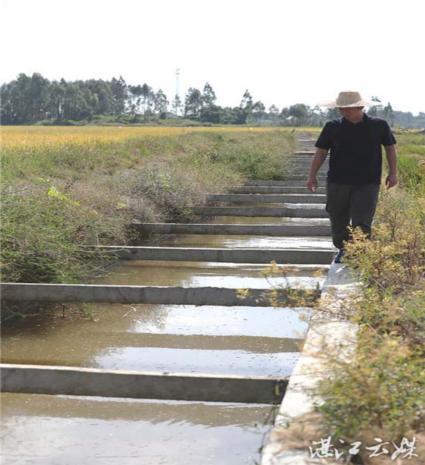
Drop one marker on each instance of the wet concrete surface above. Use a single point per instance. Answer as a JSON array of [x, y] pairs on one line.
[[318, 205], [65, 430], [238, 241], [198, 274], [268, 220]]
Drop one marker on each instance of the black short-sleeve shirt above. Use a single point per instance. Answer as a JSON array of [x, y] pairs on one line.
[[355, 149]]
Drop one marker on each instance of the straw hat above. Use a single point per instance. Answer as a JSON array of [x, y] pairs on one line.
[[347, 99]]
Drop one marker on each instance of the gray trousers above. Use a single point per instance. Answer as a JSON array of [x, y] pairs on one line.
[[350, 204]]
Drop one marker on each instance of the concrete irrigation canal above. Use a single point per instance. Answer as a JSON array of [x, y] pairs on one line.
[[182, 358]]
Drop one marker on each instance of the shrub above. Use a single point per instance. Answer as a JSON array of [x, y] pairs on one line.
[[381, 390]]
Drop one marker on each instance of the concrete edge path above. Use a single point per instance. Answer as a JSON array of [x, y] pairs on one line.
[[326, 329]]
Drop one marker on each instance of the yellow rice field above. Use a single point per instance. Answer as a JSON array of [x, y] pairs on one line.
[[24, 138]]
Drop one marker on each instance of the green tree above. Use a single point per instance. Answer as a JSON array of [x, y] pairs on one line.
[[102, 98], [160, 104], [135, 94], [388, 113], [56, 100], [193, 103], [177, 105], [258, 111], [208, 96], [247, 102], [332, 113], [76, 106], [6, 108], [299, 111], [20, 99], [39, 87], [147, 95], [246, 107], [120, 95], [274, 110]]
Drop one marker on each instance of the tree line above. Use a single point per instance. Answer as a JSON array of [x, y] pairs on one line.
[[36, 100]]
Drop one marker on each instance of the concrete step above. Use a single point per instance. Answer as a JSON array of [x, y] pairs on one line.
[[306, 163], [235, 229], [282, 183], [276, 190], [61, 293], [306, 160], [288, 255], [267, 198], [304, 170], [303, 176], [300, 176], [277, 183], [75, 381], [304, 167], [290, 210], [303, 158], [267, 220]]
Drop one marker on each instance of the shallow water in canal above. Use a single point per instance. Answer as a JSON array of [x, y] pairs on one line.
[[265, 341], [236, 241], [65, 430], [241, 340]]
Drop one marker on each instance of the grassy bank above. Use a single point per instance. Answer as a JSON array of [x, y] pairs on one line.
[[380, 393], [64, 188], [411, 149]]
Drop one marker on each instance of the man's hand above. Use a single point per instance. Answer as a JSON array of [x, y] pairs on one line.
[[391, 181], [316, 163], [312, 183]]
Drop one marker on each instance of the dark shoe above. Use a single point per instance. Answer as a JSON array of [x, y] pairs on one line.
[[338, 256]]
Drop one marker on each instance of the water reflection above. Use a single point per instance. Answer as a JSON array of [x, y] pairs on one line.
[[265, 220], [78, 341], [197, 361], [51, 430], [198, 274], [239, 241]]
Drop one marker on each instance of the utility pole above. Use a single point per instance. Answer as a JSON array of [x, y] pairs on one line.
[[177, 96]]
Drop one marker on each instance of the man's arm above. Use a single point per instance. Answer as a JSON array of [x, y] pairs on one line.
[[318, 159], [391, 153]]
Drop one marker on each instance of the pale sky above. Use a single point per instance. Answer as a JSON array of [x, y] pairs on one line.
[[283, 51]]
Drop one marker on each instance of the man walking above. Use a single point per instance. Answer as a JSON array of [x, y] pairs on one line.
[[355, 164]]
